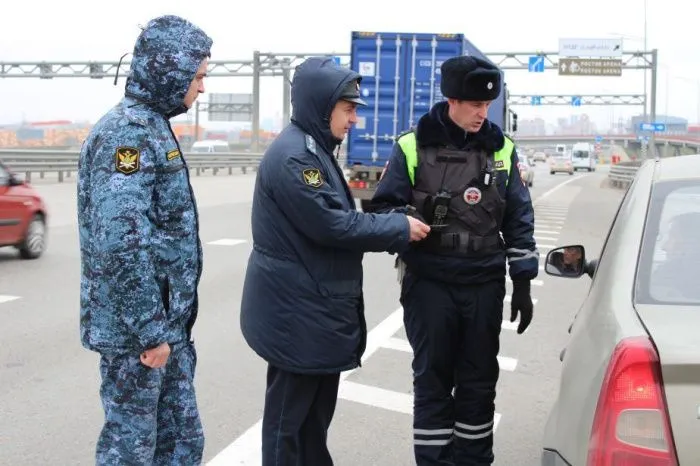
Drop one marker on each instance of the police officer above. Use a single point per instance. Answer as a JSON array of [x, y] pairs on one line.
[[141, 257], [459, 172], [302, 308]]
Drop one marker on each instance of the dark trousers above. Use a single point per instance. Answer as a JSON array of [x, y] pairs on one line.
[[151, 415], [299, 409], [454, 331]]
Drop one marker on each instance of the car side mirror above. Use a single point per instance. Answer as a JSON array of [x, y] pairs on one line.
[[566, 261]]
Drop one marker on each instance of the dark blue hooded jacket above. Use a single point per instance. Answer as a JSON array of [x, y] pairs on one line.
[[302, 308], [141, 257]]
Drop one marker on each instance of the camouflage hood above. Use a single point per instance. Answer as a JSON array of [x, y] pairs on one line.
[[166, 57]]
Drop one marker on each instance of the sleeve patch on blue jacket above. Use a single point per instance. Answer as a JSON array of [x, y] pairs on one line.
[[128, 160], [312, 177], [173, 154]]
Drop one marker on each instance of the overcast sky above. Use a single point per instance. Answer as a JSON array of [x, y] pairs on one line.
[[81, 30]]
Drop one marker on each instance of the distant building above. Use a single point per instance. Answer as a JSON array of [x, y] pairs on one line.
[[534, 127], [575, 125]]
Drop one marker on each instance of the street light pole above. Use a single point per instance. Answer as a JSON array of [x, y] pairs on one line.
[[645, 49], [652, 137]]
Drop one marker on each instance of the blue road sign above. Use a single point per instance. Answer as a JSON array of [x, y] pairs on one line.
[[536, 100], [536, 64], [336, 59], [598, 139], [656, 127], [576, 101]]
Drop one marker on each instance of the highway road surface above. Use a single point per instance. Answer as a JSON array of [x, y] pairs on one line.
[[50, 410]]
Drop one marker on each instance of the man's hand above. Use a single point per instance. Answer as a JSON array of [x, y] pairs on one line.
[[521, 301], [156, 357], [419, 230]]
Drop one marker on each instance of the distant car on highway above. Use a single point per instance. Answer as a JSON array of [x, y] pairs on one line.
[[22, 215], [527, 174], [630, 383], [561, 163], [539, 156], [210, 145]]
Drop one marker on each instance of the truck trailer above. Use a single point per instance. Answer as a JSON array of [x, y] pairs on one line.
[[400, 82]]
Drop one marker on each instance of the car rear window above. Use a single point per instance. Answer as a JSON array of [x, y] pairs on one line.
[[670, 252]]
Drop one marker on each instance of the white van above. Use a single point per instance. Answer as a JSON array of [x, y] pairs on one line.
[[210, 145], [583, 156]]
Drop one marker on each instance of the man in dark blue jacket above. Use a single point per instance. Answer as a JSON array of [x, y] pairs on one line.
[[141, 257], [458, 172], [302, 308]]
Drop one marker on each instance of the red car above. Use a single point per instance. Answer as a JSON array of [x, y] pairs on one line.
[[22, 216]]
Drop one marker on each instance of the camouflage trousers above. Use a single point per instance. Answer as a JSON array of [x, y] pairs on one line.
[[151, 415]]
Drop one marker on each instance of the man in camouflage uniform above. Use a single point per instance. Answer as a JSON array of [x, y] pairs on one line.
[[141, 255]]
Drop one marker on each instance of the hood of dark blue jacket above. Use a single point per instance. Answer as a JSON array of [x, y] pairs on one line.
[[437, 128], [166, 57], [316, 87]]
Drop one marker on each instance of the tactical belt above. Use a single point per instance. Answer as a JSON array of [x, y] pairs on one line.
[[463, 243]]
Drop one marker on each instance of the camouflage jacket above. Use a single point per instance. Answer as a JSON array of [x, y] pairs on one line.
[[141, 257]]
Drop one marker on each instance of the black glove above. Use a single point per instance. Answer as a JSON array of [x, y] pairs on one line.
[[521, 301]]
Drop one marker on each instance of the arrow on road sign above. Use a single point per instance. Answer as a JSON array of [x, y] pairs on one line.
[[656, 127], [536, 64]]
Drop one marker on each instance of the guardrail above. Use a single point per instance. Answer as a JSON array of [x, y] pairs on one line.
[[64, 162], [622, 174]]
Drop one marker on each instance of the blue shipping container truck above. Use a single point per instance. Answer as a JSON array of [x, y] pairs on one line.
[[400, 82]]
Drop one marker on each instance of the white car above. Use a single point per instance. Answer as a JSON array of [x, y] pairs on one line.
[[561, 163]]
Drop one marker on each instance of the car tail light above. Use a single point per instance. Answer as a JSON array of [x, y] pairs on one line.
[[357, 184], [631, 425]]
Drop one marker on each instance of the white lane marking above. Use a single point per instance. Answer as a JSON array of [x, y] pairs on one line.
[[7, 298], [549, 221], [385, 399], [227, 242], [556, 188], [532, 282], [399, 344], [545, 246], [377, 397], [508, 325], [545, 238], [507, 364], [551, 213], [246, 449], [546, 232]]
